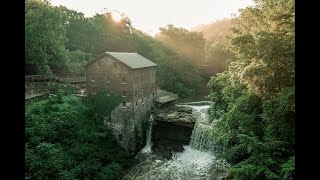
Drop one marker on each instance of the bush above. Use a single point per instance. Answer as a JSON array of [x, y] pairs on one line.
[[63, 142], [112, 171], [101, 104]]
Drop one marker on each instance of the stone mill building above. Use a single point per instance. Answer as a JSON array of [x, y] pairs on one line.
[[133, 77]]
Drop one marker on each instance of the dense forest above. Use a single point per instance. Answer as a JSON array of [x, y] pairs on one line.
[[249, 60], [254, 99], [66, 139]]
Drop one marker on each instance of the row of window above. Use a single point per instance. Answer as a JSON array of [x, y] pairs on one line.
[[124, 103], [124, 93], [136, 102], [108, 80], [124, 82], [135, 93], [115, 65]]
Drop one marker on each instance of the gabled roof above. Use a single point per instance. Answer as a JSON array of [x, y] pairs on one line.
[[133, 60]]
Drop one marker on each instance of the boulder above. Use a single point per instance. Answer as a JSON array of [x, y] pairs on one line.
[[185, 109], [175, 116]]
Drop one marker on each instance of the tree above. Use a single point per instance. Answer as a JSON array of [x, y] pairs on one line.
[[62, 141], [76, 63], [217, 50], [254, 100], [45, 29], [189, 45], [217, 57]]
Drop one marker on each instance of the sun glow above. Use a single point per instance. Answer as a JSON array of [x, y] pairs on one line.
[[149, 16], [116, 17]]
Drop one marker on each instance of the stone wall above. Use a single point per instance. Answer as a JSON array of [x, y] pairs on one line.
[[36, 89], [142, 114], [128, 123], [122, 125], [32, 88]]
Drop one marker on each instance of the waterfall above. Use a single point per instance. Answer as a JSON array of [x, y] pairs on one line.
[[202, 137], [196, 162], [147, 148], [202, 134]]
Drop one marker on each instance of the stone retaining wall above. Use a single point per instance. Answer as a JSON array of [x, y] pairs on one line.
[[128, 123]]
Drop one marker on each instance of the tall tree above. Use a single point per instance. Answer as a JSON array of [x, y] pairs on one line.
[[217, 51], [115, 35], [45, 38], [189, 45], [254, 100]]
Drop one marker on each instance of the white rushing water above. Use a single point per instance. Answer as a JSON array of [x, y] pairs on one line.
[[202, 111], [194, 163], [202, 137], [147, 148], [190, 164]]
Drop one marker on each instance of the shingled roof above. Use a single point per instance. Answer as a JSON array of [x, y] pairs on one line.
[[133, 60]]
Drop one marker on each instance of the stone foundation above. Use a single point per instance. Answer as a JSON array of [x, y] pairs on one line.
[[128, 123]]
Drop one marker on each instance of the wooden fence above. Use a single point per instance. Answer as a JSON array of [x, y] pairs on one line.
[[53, 78]]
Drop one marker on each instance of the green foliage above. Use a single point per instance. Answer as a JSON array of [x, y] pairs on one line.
[[189, 45], [254, 100], [288, 168], [101, 104], [172, 78], [63, 142], [111, 172], [179, 55], [217, 50], [76, 63], [63, 88], [81, 33], [217, 56], [45, 38]]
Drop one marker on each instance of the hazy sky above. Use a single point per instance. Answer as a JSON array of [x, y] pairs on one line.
[[149, 15]]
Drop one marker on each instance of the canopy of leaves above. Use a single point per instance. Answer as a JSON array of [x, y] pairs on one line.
[[188, 45], [217, 49], [62, 141], [45, 38], [254, 100]]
